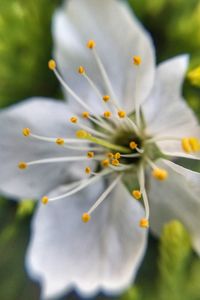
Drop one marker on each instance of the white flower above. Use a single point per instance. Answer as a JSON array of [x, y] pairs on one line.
[[122, 106]]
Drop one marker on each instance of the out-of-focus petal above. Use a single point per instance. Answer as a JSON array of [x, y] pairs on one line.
[[103, 254]]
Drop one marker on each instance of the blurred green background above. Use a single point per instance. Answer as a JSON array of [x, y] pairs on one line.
[[170, 270]]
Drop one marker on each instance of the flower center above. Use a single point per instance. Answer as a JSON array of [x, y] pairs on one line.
[[114, 140]]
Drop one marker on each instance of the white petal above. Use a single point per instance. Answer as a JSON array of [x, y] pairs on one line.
[[176, 198], [166, 113], [103, 254], [118, 35], [44, 117]]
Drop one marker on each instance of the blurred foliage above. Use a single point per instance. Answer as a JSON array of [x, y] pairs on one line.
[[194, 76], [175, 28], [25, 48], [25, 208], [14, 233], [178, 272]]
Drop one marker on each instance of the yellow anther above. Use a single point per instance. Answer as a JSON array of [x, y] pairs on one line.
[[110, 155], [115, 162], [60, 141], [45, 200], [22, 165], [90, 154], [105, 163], [160, 174], [91, 44], [81, 134], [87, 170], [121, 114], [52, 64], [133, 145], [86, 217], [144, 223], [117, 155], [186, 145], [137, 194], [74, 120], [194, 144], [137, 60], [106, 98], [107, 114], [85, 114], [81, 70], [26, 131]]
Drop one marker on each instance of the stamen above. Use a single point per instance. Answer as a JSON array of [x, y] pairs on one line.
[[60, 141], [82, 148], [186, 145], [137, 60], [82, 134], [110, 155], [87, 170], [137, 194], [133, 125], [22, 165], [104, 74], [191, 144], [160, 174], [106, 98], [107, 114], [121, 114], [90, 154], [141, 179], [52, 64], [81, 70], [105, 163], [55, 140], [92, 131], [117, 155], [91, 44], [120, 167], [79, 185], [86, 217], [74, 119], [105, 194], [132, 145], [194, 144], [69, 90], [102, 124], [98, 93], [115, 162], [131, 155], [45, 200], [26, 131], [144, 223], [85, 114]]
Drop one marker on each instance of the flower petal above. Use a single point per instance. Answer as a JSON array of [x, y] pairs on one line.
[[105, 22], [176, 198], [44, 117], [166, 113], [103, 254]]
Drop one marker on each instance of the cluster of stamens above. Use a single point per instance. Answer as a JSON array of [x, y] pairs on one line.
[[97, 144]]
